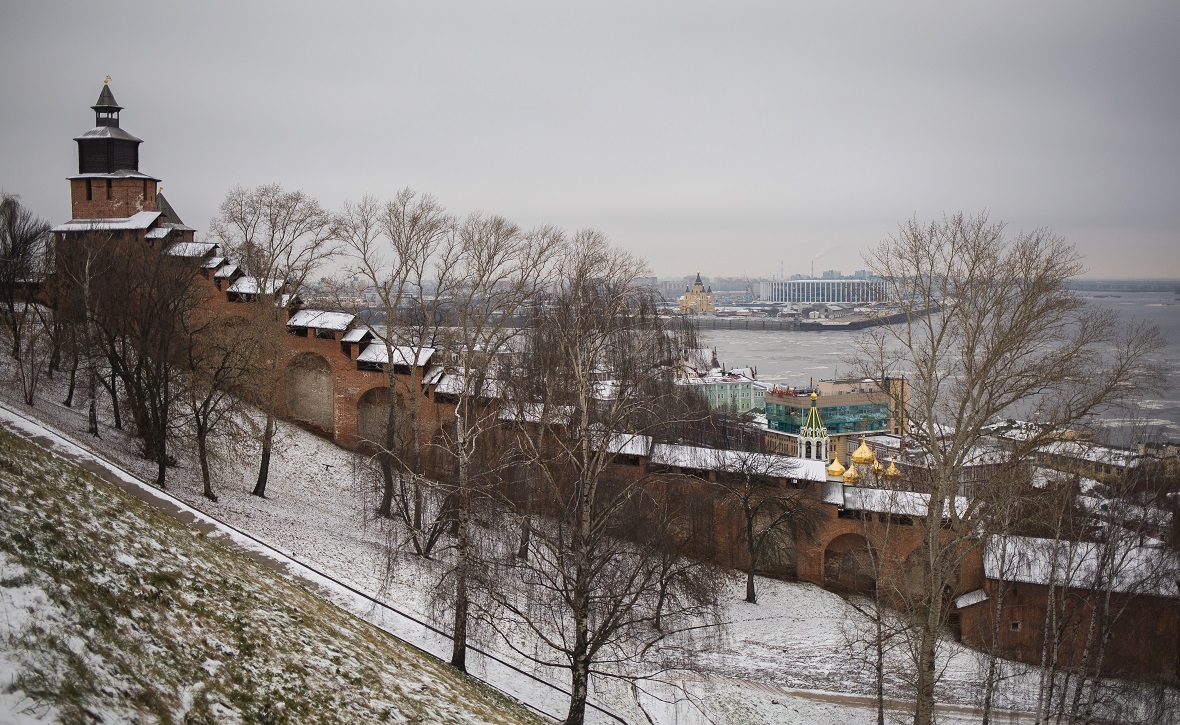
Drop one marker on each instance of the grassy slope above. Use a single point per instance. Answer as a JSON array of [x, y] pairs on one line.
[[111, 608]]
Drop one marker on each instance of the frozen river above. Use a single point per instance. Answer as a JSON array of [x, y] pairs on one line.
[[796, 357]]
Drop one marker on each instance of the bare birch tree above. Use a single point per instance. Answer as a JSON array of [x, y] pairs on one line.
[[605, 374], [279, 238], [499, 268], [403, 252], [1010, 336]]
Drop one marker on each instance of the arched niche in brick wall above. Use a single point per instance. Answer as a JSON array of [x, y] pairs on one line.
[[309, 391], [441, 463], [848, 565], [372, 417]]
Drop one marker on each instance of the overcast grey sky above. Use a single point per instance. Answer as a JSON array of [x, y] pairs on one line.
[[734, 138]]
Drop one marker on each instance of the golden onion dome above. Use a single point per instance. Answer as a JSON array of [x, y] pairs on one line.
[[835, 469], [892, 471], [851, 476], [863, 456], [814, 396], [878, 468]]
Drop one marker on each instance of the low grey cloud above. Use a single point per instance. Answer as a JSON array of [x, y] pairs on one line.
[[736, 138]]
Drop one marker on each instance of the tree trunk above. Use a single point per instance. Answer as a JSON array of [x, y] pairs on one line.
[[203, 457], [69, 401], [92, 418], [579, 682], [526, 530], [115, 402], [879, 665], [386, 455], [752, 550], [385, 510], [931, 604], [268, 435], [993, 655], [161, 466], [924, 706], [459, 642]]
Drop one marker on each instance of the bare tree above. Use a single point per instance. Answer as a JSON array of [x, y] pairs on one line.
[[883, 630], [601, 360], [132, 301], [1010, 337], [24, 260], [1097, 557], [280, 238], [402, 250], [219, 365], [752, 485], [499, 268]]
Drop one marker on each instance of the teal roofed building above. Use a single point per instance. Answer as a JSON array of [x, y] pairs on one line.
[[841, 409]]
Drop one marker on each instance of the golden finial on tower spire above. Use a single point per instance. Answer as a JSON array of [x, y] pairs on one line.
[[106, 81]]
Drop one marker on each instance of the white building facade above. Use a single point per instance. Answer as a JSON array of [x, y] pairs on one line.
[[823, 291]]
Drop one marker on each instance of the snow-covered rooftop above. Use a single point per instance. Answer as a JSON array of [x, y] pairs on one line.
[[455, 384], [321, 319], [716, 376], [433, 374], [378, 354], [1128, 568], [356, 334], [1089, 452], [139, 220], [191, 249], [212, 262], [535, 413], [120, 174], [251, 286], [228, 270], [712, 459], [108, 132], [972, 597], [883, 500]]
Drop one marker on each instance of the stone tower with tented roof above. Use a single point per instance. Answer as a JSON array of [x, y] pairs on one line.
[[109, 184]]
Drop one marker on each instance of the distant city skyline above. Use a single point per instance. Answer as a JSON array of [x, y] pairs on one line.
[[747, 139]]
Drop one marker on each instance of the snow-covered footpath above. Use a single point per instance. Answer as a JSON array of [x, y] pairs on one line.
[[785, 660]]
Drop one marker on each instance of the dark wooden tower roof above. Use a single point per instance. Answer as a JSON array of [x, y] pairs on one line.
[[106, 148]]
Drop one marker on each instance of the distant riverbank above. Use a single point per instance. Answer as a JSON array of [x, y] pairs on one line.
[[795, 357]]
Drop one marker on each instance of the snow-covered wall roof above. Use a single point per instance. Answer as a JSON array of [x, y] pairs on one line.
[[139, 220], [355, 335], [883, 500], [251, 286], [378, 354], [1139, 569], [191, 249], [321, 319], [712, 459]]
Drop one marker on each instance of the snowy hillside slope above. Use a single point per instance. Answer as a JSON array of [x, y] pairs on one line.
[[113, 612]]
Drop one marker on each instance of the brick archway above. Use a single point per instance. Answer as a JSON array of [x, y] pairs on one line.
[[440, 459], [848, 565], [308, 391], [372, 417]]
